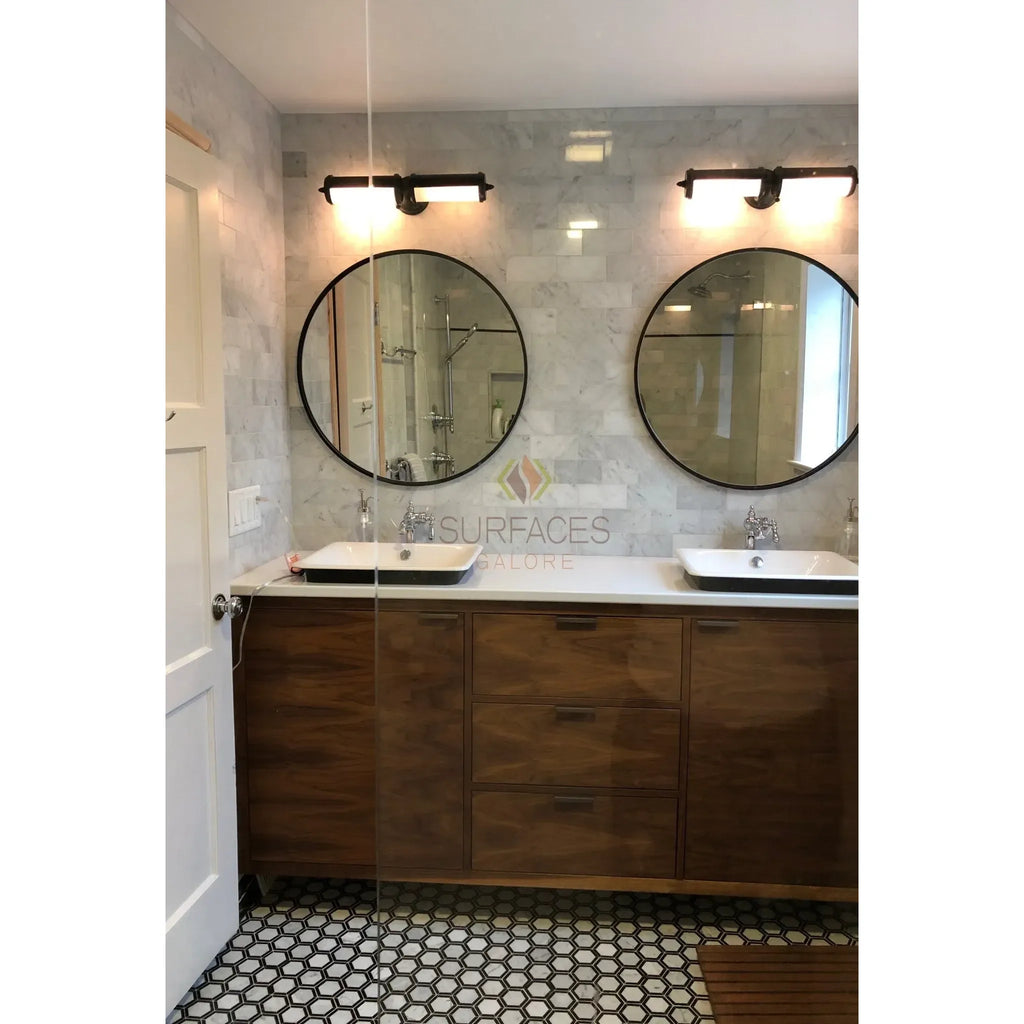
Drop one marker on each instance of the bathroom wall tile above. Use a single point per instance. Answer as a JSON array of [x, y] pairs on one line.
[[580, 303], [208, 92]]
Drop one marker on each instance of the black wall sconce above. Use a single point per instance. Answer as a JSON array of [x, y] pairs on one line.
[[763, 188], [415, 191]]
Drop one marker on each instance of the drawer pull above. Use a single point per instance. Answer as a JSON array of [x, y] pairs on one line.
[[567, 713], [437, 618], [576, 622], [574, 803], [717, 623]]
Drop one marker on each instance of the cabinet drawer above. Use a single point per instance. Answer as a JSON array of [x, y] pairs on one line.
[[576, 834], [552, 745], [582, 656]]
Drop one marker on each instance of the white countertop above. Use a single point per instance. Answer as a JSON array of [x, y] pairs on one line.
[[598, 579]]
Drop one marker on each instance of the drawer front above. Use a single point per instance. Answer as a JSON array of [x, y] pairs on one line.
[[563, 834], [308, 659], [553, 745], [581, 656]]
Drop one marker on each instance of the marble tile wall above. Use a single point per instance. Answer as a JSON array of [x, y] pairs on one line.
[[209, 93], [580, 301]]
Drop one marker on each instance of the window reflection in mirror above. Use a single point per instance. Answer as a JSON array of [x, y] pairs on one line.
[[746, 369], [419, 350]]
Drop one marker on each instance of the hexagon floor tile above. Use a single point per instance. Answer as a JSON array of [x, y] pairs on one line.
[[341, 952]]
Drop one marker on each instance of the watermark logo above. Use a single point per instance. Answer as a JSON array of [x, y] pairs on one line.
[[524, 479]]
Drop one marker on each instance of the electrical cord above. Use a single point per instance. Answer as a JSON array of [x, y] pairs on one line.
[[266, 583], [248, 610]]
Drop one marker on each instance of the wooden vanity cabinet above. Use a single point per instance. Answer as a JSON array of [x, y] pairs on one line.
[[305, 736], [420, 723], [694, 750], [771, 774], [339, 771], [575, 743]]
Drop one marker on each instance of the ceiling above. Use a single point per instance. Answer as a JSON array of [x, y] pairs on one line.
[[309, 56]]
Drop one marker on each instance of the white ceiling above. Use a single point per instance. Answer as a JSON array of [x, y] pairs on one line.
[[310, 56]]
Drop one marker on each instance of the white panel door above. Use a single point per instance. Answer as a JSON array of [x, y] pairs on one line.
[[202, 854]]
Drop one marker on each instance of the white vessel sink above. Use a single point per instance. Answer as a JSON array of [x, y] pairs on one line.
[[768, 572], [366, 562]]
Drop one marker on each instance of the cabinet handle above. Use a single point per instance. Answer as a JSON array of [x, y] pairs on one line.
[[575, 622], [574, 803], [437, 618], [566, 713], [717, 623]]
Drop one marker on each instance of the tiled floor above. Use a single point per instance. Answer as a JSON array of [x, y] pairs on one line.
[[331, 950]]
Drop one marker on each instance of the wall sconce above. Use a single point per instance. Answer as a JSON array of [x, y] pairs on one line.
[[414, 191], [763, 188]]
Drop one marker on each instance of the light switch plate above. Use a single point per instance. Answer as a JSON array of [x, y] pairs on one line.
[[243, 510]]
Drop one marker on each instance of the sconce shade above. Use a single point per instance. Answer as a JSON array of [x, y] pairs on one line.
[[414, 191], [763, 188], [750, 183], [334, 183], [441, 188], [823, 182]]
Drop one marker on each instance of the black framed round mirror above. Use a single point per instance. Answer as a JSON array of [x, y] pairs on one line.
[[746, 368], [412, 367]]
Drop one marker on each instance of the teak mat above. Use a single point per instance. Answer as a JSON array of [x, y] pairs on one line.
[[780, 984]]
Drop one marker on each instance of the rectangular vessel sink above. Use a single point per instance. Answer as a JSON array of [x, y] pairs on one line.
[[779, 572], [364, 562]]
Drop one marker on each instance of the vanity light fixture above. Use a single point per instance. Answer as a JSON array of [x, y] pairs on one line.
[[414, 191], [763, 188]]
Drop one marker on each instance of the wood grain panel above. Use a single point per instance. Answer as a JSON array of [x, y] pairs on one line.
[[574, 834], [586, 656], [311, 786], [309, 734], [547, 744], [772, 761], [420, 696], [305, 657], [769, 984]]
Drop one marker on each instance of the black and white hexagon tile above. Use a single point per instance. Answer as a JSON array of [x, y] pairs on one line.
[[349, 951]]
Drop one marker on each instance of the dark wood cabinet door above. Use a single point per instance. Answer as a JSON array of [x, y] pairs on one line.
[[420, 699], [308, 718], [771, 789]]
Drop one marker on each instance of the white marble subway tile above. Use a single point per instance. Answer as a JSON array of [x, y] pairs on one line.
[[530, 268], [580, 268], [607, 242], [555, 242], [580, 339], [602, 496], [554, 446]]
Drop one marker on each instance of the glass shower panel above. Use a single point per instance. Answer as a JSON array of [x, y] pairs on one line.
[[508, 805]]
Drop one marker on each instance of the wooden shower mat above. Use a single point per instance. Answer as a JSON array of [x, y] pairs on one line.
[[780, 984]]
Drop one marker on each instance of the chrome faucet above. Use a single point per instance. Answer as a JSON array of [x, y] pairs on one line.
[[758, 527], [412, 519]]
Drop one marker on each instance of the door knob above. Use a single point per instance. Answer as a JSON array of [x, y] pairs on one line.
[[229, 606]]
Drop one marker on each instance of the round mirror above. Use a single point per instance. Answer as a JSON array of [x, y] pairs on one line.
[[746, 369], [419, 350]]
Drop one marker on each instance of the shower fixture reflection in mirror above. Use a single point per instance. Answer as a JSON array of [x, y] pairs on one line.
[[402, 360], [746, 370]]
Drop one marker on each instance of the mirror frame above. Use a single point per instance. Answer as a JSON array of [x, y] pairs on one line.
[[305, 401], [636, 371]]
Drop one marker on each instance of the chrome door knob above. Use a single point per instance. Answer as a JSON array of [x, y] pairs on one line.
[[229, 606]]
